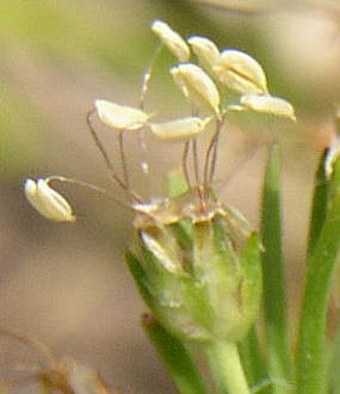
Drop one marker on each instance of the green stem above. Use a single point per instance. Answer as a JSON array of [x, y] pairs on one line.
[[225, 363]]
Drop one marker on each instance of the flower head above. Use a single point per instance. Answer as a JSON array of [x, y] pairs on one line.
[[195, 259]]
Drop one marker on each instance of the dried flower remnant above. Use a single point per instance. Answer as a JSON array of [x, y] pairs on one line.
[[62, 375], [173, 41], [49, 203]]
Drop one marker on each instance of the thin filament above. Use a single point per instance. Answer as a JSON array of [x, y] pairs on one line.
[[198, 187], [95, 188], [214, 159], [207, 160], [195, 161], [211, 157], [185, 164], [108, 162], [123, 161]]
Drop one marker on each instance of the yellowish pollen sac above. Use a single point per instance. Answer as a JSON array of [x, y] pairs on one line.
[[120, 117], [332, 155], [272, 105], [240, 72], [206, 51], [49, 203], [179, 129], [197, 86], [172, 40]]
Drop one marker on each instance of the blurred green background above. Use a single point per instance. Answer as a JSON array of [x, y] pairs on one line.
[[68, 284]]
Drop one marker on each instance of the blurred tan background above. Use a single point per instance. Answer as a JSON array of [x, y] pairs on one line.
[[68, 284]]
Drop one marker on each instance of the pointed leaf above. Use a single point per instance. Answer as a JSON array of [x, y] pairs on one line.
[[320, 201], [311, 358], [275, 309]]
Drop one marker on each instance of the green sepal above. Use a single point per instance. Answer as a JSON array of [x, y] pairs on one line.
[[176, 358], [231, 277], [179, 302]]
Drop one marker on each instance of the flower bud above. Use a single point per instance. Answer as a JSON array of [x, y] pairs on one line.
[[200, 275], [196, 85], [173, 41], [47, 201], [241, 73], [179, 129], [120, 117], [206, 52], [269, 104]]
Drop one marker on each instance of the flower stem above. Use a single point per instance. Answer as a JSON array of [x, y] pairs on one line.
[[225, 363]]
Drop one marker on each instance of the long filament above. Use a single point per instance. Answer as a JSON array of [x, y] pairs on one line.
[[108, 162], [123, 160], [185, 164]]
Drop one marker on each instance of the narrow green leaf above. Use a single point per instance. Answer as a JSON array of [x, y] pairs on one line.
[[175, 357], [311, 357], [275, 309], [319, 205]]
